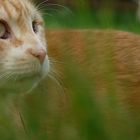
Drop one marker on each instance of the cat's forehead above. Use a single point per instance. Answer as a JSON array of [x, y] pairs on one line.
[[12, 9]]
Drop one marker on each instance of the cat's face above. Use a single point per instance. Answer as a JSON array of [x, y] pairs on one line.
[[23, 54]]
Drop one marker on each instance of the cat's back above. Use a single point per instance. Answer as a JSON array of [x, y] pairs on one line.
[[110, 59], [122, 47]]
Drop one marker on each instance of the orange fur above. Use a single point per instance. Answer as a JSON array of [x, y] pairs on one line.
[[101, 55]]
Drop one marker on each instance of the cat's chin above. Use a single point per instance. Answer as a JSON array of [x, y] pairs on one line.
[[22, 85]]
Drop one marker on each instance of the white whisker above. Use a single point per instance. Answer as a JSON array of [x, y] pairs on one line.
[[55, 61], [58, 5], [52, 5], [3, 75], [53, 72], [48, 14], [9, 76], [57, 78], [16, 77], [58, 83], [41, 3]]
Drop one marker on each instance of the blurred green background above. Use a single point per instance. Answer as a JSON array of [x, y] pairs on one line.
[[118, 14], [85, 121]]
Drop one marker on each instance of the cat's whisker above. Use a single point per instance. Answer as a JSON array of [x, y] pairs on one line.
[[10, 76], [54, 72], [50, 11], [56, 77], [48, 14], [53, 64], [54, 11], [55, 61], [35, 67], [18, 68], [41, 3], [52, 77], [16, 76], [58, 6], [5, 75]]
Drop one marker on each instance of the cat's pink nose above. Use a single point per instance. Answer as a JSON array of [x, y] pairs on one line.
[[39, 54]]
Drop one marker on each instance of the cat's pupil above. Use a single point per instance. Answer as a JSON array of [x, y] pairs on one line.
[[4, 34], [2, 30], [35, 26]]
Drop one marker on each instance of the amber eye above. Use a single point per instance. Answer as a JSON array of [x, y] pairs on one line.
[[4, 31], [35, 26]]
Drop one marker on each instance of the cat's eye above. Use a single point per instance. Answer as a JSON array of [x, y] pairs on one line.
[[35, 26], [4, 33]]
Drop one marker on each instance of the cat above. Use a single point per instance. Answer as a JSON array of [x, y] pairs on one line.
[[108, 60], [23, 49]]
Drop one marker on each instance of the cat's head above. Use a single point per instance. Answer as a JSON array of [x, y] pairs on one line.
[[23, 49]]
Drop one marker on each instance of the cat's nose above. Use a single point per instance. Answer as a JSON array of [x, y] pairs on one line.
[[40, 54]]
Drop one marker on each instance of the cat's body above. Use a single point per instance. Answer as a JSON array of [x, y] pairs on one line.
[[99, 69], [109, 59]]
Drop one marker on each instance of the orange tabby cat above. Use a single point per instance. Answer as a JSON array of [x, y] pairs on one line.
[[109, 61]]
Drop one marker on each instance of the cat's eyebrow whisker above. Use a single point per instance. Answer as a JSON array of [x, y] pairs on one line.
[[55, 11], [41, 3], [59, 6], [54, 7], [48, 14]]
